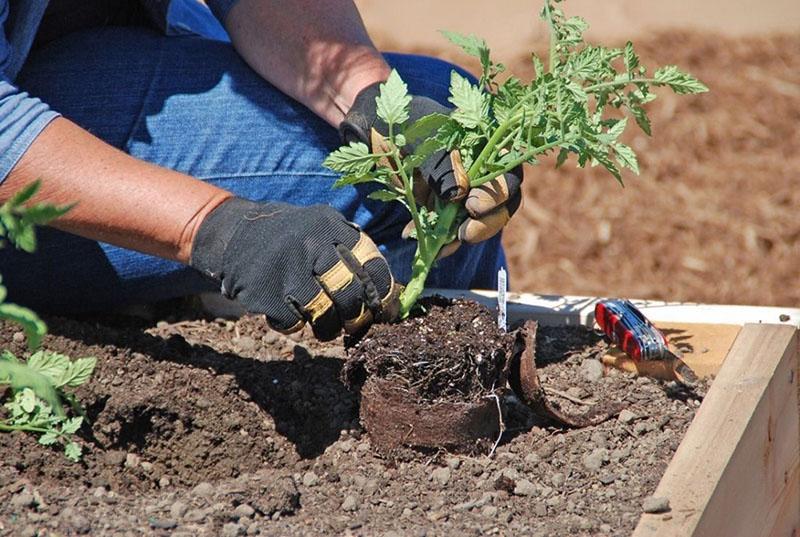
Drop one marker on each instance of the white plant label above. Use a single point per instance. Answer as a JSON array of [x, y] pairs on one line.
[[502, 299]]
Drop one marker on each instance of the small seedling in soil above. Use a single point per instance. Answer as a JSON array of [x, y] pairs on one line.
[[37, 388], [571, 107], [34, 389]]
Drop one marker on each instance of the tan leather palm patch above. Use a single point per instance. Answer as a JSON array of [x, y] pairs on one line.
[[460, 175], [479, 230], [483, 199]]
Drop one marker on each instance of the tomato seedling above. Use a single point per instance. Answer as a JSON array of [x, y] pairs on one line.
[[37, 385], [568, 108]]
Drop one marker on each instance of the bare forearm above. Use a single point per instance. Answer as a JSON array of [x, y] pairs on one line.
[[317, 52], [120, 200]]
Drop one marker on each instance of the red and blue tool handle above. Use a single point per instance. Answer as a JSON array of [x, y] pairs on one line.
[[630, 330]]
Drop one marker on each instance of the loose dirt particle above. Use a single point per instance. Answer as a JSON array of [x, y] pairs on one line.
[[655, 504]]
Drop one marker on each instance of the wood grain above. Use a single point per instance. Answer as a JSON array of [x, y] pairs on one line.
[[737, 471]]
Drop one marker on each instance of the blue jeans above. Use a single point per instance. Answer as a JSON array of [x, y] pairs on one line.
[[191, 104]]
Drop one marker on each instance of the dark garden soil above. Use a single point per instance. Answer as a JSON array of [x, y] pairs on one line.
[[227, 428]]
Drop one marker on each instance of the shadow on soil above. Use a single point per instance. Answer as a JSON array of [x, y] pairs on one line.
[[305, 396]]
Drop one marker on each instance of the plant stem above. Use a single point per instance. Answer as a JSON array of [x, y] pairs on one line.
[[553, 37], [516, 162], [621, 83], [408, 190], [28, 428], [424, 259]]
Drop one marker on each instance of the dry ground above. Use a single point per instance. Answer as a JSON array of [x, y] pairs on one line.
[[713, 216]]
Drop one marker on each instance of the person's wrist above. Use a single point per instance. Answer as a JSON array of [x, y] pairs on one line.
[[203, 235], [371, 69]]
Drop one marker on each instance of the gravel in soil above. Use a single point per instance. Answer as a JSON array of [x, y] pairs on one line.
[[227, 428]]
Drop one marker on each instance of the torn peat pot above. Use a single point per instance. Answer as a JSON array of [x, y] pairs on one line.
[[436, 381]]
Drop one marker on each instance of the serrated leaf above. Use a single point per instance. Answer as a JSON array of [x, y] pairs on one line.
[[27, 400], [641, 118], [50, 364], [31, 324], [471, 44], [78, 372], [43, 213], [353, 159], [23, 195], [73, 451], [604, 160], [424, 126], [562, 157], [631, 58], [681, 83], [626, 157], [469, 101], [538, 66], [384, 195], [393, 101], [49, 438], [614, 131], [71, 425], [346, 180], [577, 91], [20, 376]]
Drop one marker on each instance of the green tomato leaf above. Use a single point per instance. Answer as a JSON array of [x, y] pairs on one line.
[[469, 101], [681, 83], [631, 59], [27, 400], [43, 213], [385, 195], [50, 364], [48, 439], [471, 44], [626, 157], [31, 324], [641, 118], [71, 425], [23, 195], [393, 101], [353, 159], [73, 451], [424, 126], [78, 372]]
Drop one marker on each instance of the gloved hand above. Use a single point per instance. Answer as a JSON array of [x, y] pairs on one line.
[[296, 265], [490, 206]]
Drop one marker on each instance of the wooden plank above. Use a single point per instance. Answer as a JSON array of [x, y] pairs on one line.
[[737, 471], [704, 346], [560, 310]]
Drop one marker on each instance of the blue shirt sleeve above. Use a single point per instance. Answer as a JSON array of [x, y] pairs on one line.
[[22, 117]]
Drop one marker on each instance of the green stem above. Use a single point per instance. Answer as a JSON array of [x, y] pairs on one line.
[[424, 259], [516, 162], [621, 83], [553, 37], [408, 190], [27, 428]]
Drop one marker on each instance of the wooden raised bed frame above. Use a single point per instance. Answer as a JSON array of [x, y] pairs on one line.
[[737, 470]]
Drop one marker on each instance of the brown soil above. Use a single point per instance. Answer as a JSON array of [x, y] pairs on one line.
[[221, 427], [453, 352]]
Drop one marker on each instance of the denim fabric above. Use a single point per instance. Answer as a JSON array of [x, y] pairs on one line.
[[191, 104]]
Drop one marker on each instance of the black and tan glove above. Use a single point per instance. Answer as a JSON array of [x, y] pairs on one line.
[[490, 206], [296, 265]]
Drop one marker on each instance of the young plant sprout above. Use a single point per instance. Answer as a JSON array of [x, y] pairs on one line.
[[566, 109]]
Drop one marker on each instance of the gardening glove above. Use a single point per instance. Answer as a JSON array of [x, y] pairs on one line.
[[296, 265], [489, 206]]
